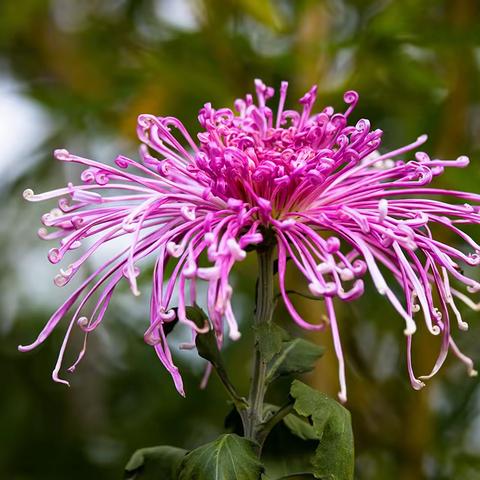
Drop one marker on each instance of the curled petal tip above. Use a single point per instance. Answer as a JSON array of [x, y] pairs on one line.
[[61, 154], [177, 379], [57, 379], [146, 119], [422, 138], [60, 280], [83, 322], [174, 249], [150, 339], [435, 330], [410, 329], [234, 336], [351, 96], [204, 329], [188, 212], [342, 396], [28, 194], [237, 252], [463, 326], [418, 384], [135, 291], [24, 348]]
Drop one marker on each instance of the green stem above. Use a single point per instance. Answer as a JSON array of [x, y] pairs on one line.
[[239, 401], [276, 418], [263, 314]]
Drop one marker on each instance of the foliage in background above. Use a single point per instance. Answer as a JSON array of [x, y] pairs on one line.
[[92, 67]]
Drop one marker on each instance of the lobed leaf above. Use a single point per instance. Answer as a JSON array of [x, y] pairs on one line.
[[334, 456], [230, 457]]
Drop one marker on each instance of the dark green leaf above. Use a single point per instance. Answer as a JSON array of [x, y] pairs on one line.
[[230, 457], [155, 463], [334, 456], [296, 356], [206, 342], [169, 326]]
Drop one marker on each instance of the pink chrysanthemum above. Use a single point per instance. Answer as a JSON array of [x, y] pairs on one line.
[[309, 181]]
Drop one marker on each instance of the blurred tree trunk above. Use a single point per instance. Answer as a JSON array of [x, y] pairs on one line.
[[460, 76]]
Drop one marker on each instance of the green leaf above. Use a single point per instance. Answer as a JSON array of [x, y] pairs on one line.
[[300, 427], [295, 356], [334, 456], [196, 315], [270, 338], [155, 463], [193, 312], [230, 457], [206, 343], [207, 348]]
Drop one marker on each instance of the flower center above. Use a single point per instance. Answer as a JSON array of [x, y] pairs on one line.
[[251, 156]]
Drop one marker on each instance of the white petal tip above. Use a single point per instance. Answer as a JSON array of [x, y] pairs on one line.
[[418, 385], [59, 380], [61, 154], [435, 330], [342, 397], [410, 330], [234, 336], [28, 194]]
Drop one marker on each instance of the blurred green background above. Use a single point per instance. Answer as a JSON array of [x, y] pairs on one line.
[[77, 73]]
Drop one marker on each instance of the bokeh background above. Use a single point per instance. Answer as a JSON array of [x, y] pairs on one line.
[[77, 73]]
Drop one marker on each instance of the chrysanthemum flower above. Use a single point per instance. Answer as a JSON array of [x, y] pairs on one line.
[[335, 207]]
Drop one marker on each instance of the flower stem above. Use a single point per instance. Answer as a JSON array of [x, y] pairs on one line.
[[263, 314]]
